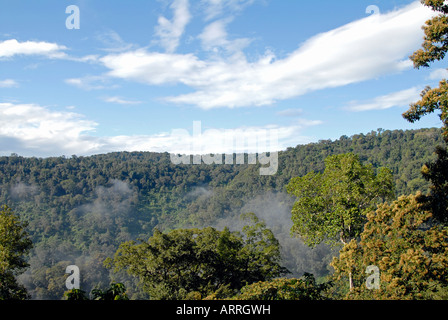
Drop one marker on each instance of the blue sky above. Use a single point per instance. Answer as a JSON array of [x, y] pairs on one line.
[[137, 71]]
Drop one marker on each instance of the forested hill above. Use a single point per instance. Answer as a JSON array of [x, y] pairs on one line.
[[80, 209]]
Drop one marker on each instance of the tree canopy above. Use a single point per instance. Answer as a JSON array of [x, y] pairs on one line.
[[80, 209], [14, 246], [411, 256], [176, 264], [434, 48], [331, 206]]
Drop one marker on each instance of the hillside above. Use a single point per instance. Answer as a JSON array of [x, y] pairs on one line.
[[80, 209]]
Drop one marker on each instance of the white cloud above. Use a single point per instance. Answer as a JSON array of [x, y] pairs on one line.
[[33, 130], [154, 68], [113, 41], [249, 139], [170, 32], [439, 74], [8, 83], [214, 37], [365, 49], [215, 8], [121, 100], [290, 113], [395, 99], [12, 47], [90, 83]]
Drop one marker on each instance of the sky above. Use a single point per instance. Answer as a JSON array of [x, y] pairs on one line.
[[95, 76]]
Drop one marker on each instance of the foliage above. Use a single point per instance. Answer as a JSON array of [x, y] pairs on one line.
[[79, 209], [433, 49], [173, 265], [76, 295], [412, 256], [116, 291], [331, 206], [304, 288], [437, 173], [14, 246]]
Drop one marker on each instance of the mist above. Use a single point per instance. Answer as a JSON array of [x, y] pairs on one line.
[[274, 208], [23, 191], [110, 206]]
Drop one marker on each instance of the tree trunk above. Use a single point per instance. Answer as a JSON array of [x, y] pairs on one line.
[[350, 278]]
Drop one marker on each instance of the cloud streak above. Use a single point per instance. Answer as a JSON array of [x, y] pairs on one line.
[[395, 99], [349, 54], [119, 100], [170, 32], [8, 83], [12, 47], [33, 130]]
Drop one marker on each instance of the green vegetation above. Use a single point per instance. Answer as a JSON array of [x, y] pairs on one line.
[[80, 209], [14, 245], [93, 211], [116, 291], [411, 255], [407, 240], [434, 48], [331, 206], [304, 288], [172, 266]]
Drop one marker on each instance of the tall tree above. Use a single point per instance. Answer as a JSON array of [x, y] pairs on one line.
[[14, 245], [331, 206], [434, 48], [184, 261], [412, 259]]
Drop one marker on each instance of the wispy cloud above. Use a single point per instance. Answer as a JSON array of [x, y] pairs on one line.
[[113, 41], [8, 83], [214, 38], [439, 74], [91, 83], [170, 32], [290, 113], [33, 130], [216, 8], [395, 99], [235, 82], [12, 47], [119, 100]]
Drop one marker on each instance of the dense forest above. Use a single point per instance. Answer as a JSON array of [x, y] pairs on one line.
[[80, 209], [361, 217]]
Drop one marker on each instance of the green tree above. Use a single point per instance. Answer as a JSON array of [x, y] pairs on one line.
[[437, 173], [331, 206], [176, 264], [304, 288], [14, 246], [116, 291], [434, 48], [412, 258], [76, 294]]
